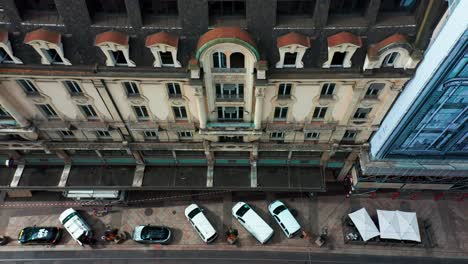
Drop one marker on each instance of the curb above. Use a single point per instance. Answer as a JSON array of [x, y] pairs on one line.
[[336, 250]]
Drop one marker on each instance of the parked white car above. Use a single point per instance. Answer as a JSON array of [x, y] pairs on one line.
[[76, 226], [198, 220], [284, 218], [252, 222]]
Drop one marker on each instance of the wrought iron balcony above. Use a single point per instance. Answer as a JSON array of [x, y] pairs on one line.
[[229, 97], [230, 123], [175, 96]]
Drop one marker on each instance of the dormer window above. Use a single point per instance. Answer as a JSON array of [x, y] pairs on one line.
[[290, 60], [392, 52], [48, 45], [166, 58], [4, 57], [341, 48], [390, 59], [164, 48], [338, 59], [6, 52], [115, 47], [292, 48], [119, 58]]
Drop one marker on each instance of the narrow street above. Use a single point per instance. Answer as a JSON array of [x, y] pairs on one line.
[[209, 257]]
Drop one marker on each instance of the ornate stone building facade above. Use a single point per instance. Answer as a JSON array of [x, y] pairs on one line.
[[242, 95]]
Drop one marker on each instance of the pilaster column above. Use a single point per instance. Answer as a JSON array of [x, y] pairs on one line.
[[358, 94], [348, 164], [8, 105], [201, 107], [259, 96], [11, 109]]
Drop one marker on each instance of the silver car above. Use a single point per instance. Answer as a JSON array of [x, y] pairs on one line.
[[152, 234]]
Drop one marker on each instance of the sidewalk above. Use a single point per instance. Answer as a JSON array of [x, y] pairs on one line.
[[449, 220]]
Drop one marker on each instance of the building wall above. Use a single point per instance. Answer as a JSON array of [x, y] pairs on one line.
[[103, 88]]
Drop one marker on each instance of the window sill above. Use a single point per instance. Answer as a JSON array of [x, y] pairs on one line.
[[359, 121], [369, 99], [34, 95], [283, 97], [77, 95], [324, 99]]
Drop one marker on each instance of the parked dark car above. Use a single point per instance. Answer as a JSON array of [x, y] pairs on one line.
[[40, 235], [152, 234]]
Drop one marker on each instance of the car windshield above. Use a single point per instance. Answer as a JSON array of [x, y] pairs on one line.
[[241, 212], [279, 209], [194, 212], [154, 233]]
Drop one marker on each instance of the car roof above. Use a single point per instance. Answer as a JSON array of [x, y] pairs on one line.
[[200, 220], [203, 225], [262, 231], [160, 232]]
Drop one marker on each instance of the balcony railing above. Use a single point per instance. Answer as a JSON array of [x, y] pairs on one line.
[[231, 123], [229, 97], [175, 96], [284, 96], [228, 70]]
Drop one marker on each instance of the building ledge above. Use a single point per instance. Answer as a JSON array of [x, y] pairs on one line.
[[412, 167]]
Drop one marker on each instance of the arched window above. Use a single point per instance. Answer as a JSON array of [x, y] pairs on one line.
[[237, 60], [219, 60], [390, 59]]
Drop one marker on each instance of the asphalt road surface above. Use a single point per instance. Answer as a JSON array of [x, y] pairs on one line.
[[208, 257]]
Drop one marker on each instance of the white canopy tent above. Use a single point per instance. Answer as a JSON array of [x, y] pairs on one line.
[[409, 228], [364, 224], [388, 224], [398, 225]]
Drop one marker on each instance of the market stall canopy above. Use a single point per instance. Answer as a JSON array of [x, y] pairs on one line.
[[409, 228], [388, 224], [364, 224]]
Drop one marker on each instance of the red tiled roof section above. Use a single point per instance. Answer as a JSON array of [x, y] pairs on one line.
[[344, 37], [3, 36], [112, 36], [225, 32], [44, 35], [162, 38], [291, 39], [396, 38]]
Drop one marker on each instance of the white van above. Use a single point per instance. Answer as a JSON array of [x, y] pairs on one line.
[[201, 224], [284, 218], [76, 226], [252, 222]]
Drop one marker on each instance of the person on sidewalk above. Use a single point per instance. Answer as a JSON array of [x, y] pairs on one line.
[[304, 235]]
